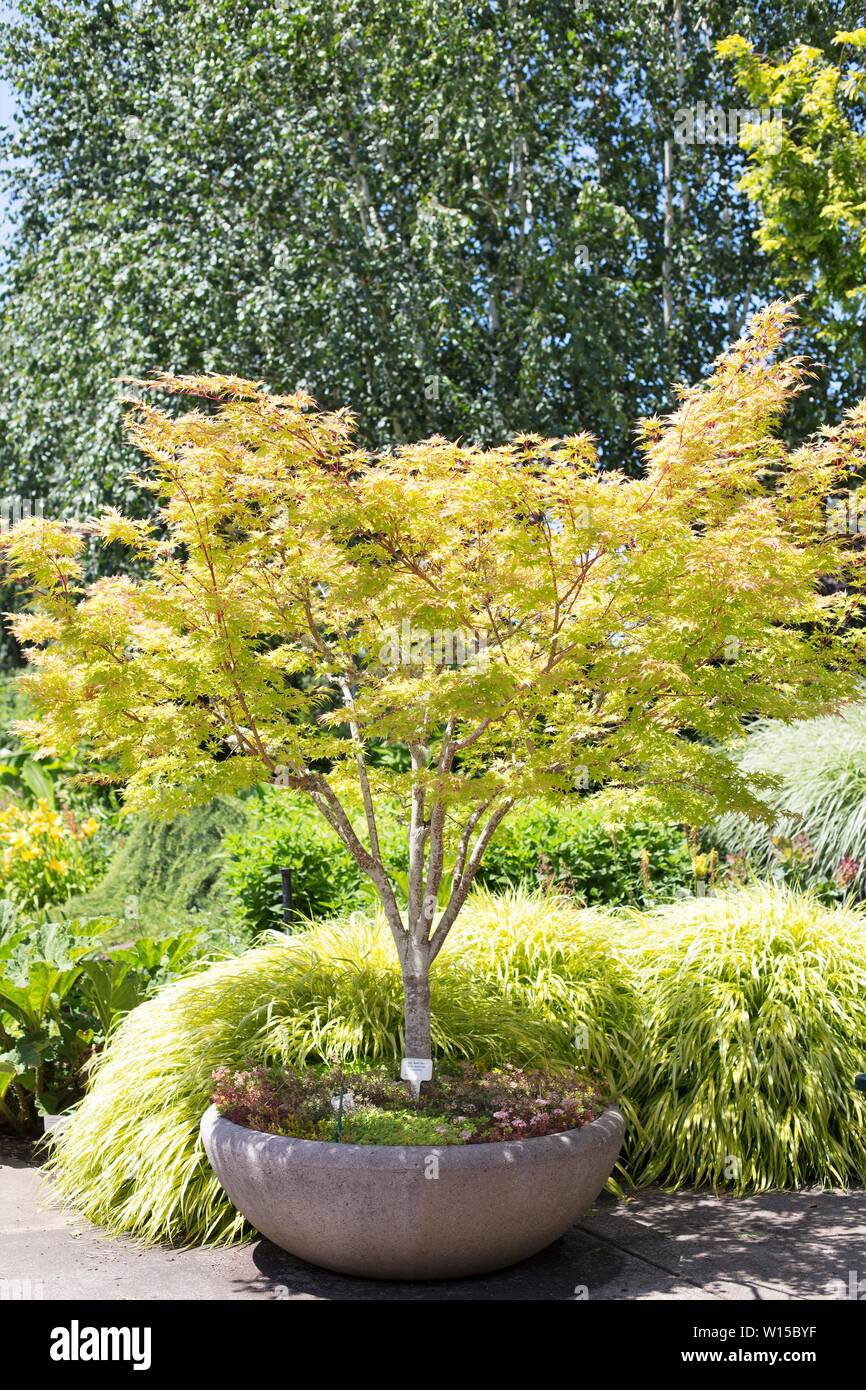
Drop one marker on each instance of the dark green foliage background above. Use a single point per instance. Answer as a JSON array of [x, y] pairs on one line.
[[283, 833], [577, 850]]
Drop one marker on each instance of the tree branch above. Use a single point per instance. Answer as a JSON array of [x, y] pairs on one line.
[[329, 804], [459, 892], [417, 837], [465, 837], [361, 763]]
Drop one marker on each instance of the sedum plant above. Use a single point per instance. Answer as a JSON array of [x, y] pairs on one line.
[[522, 622]]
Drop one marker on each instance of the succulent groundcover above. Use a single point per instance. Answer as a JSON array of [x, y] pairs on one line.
[[466, 1106]]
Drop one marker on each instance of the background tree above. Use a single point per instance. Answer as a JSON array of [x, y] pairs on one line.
[[464, 218], [564, 626], [810, 188]]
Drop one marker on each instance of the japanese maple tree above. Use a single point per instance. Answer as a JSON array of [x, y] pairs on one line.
[[518, 621]]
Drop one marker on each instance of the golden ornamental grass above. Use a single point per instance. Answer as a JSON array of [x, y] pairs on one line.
[[729, 1028]]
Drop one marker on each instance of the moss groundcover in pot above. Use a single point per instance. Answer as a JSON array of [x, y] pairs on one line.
[[311, 1167]]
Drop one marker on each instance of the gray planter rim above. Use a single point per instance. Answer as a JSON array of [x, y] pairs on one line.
[[505, 1151]]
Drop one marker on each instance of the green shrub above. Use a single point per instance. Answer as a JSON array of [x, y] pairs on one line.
[[165, 870], [588, 851], [730, 1029], [819, 836], [60, 995], [755, 1009], [283, 831]]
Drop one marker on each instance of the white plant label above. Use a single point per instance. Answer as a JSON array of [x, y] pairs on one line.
[[415, 1070]]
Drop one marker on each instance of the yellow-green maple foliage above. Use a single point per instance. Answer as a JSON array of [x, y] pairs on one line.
[[615, 628]]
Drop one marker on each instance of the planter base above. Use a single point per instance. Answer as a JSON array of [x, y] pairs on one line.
[[412, 1212]]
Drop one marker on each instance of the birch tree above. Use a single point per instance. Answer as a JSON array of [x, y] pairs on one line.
[[452, 215]]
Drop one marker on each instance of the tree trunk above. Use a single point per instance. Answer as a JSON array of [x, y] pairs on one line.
[[416, 1004], [668, 237]]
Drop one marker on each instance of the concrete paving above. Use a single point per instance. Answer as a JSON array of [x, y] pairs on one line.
[[655, 1245]]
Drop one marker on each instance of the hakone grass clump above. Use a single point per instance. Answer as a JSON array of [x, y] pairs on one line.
[[755, 1011], [464, 1105], [818, 794], [728, 1029]]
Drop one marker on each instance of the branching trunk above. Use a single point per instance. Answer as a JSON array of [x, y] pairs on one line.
[[670, 181], [418, 937], [668, 236]]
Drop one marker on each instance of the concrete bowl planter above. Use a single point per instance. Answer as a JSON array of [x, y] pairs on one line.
[[412, 1212]]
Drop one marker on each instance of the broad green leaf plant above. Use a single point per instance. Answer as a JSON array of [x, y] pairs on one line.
[[521, 621]]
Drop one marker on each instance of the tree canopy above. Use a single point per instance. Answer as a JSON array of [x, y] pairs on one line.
[[810, 185], [567, 626]]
